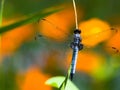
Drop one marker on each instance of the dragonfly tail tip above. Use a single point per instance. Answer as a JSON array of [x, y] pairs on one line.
[[71, 76]]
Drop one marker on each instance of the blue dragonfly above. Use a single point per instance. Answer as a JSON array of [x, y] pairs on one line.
[[76, 43]]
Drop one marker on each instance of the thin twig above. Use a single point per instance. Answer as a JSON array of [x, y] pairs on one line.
[[75, 11]]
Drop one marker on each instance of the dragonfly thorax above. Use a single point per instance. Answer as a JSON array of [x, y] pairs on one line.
[[77, 40]]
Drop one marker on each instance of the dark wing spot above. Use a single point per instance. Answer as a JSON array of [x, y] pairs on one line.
[[113, 48], [114, 29], [39, 35], [116, 50]]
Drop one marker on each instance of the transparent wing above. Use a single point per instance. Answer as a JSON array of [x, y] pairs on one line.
[[88, 41], [98, 37]]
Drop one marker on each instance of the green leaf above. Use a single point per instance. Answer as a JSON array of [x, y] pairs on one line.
[[57, 81], [1, 12], [28, 20]]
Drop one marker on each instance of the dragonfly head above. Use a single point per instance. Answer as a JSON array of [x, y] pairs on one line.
[[77, 31]]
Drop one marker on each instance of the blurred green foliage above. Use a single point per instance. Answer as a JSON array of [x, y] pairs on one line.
[[8, 76]]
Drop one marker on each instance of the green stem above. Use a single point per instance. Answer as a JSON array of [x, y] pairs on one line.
[[1, 11], [64, 83]]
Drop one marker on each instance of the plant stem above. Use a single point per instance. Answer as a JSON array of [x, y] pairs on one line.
[[64, 83]]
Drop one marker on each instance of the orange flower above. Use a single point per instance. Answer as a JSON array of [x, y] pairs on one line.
[[11, 40], [34, 80], [57, 26], [94, 31], [87, 61]]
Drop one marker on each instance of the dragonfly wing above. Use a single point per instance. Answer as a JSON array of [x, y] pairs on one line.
[[88, 40], [92, 40]]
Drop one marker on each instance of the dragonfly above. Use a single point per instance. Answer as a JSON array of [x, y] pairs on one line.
[[76, 44]]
